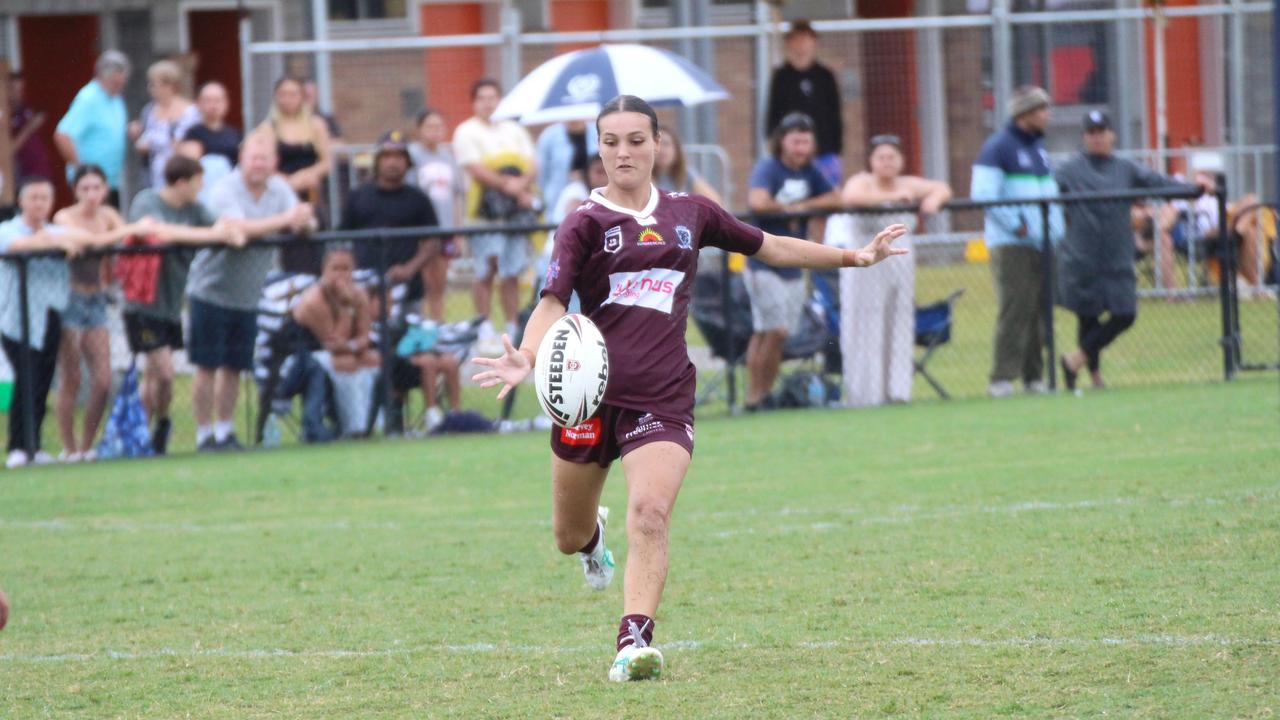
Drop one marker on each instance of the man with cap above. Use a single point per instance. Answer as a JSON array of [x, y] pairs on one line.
[[1095, 264], [387, 201], [1013, 165]]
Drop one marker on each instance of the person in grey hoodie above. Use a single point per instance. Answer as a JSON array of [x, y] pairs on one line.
[[1095, 267]]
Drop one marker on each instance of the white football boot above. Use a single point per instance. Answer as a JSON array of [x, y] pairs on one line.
[[597, 565], [636, 661]]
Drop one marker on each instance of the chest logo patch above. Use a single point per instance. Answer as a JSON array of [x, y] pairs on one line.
[[613, 239], [654, 289], [649, 238], [684, 237]]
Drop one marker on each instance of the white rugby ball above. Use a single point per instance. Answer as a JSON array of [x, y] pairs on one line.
[[571, 371]]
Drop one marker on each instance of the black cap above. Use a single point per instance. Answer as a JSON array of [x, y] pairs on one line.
[[1096, 120], [795, 121], [392, 141]]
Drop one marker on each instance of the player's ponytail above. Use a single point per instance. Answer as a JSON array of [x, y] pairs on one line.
[[629, 103]]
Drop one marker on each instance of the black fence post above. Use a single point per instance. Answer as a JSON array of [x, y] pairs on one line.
[[1227, 284], [1046, 295], [26, 375], [726, 298], [389, 407]]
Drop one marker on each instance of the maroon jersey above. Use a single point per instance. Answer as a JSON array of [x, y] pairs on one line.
[[634, 272]]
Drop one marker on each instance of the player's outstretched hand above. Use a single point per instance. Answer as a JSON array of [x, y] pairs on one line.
[[509, 370], [881, 246]]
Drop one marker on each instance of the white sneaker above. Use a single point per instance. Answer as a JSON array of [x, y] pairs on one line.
[[43, 458], [636, 663], [1000, 389], [66, 457], [1036, 387], [16, 459], [597, 565], [89, 455], [435, 416]]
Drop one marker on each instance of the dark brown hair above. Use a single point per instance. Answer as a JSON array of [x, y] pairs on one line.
[[629, 103]]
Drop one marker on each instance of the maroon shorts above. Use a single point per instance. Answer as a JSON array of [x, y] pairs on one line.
[[615, 431]]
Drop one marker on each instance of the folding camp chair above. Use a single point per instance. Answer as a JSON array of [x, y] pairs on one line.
[[933, 329]]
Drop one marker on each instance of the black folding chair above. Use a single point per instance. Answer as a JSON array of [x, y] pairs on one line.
[[933, 330]]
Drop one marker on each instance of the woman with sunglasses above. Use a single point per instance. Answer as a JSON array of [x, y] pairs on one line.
[[878, 367]]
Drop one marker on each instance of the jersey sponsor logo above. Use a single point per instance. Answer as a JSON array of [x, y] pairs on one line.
[[684, 237], [689, 431], [587, 434], [651, 238], [585, 206], [613, 239], [654, 288], [647, 424]]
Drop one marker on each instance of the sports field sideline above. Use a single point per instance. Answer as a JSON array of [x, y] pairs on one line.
[[1045, 556]]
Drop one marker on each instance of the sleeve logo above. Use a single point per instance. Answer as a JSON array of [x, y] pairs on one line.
[[613, 239]]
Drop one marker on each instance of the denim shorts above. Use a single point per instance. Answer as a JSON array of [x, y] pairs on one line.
[[512, 252], [85, 311]]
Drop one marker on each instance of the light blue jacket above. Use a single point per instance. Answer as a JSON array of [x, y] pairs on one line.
[[1013, 165], [555, 155]]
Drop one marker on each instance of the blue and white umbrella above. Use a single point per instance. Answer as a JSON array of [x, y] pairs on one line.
[[574, 86]]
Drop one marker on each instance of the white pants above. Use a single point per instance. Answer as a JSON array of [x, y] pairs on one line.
[[877, 330], [352, 392]]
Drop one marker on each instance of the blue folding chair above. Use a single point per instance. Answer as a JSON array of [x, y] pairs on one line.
[[933, 329]]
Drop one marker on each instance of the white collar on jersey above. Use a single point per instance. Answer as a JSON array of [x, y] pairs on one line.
[[643, 217]]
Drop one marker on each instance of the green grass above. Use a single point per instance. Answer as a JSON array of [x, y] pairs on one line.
[[1111, 555]]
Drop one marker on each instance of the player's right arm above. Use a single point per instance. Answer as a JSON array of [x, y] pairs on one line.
[[515, 364]]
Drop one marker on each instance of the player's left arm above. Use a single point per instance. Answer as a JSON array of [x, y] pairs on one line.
[[783, 251]]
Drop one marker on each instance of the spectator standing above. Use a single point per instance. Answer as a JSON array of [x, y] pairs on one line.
[[1096, 262], [153, 325], [213, 133], [787, 181], [164, 121], [30, 156], [339, 316], [48, 289], [84, 322], [500, 166], [226, 285], [1013, 165], [802, 84], [94, 129], [437, 174], [878, 366], [302, 149], [671, 171], [387, 201], [564, 149]]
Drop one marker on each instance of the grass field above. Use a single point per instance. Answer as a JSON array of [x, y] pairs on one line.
[[1111, 555]]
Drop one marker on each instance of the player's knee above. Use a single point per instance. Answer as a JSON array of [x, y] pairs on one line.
[[648, 519], [571, 540]]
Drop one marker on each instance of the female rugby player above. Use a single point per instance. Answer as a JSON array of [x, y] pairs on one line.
[[630, 252]]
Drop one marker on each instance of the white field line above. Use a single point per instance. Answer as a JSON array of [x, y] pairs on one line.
[[850, 516], [482, 648]]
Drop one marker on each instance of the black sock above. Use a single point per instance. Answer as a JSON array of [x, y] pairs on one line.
[[630, 626], [595, 540]]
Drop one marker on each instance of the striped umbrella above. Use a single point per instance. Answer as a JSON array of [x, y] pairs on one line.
[[575, 85]]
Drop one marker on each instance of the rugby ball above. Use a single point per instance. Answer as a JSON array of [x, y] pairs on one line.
[[571, 371]]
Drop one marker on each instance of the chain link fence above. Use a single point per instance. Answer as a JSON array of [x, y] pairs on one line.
[[913, 328]]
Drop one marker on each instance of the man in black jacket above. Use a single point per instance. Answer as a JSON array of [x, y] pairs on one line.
[[802, 84]]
